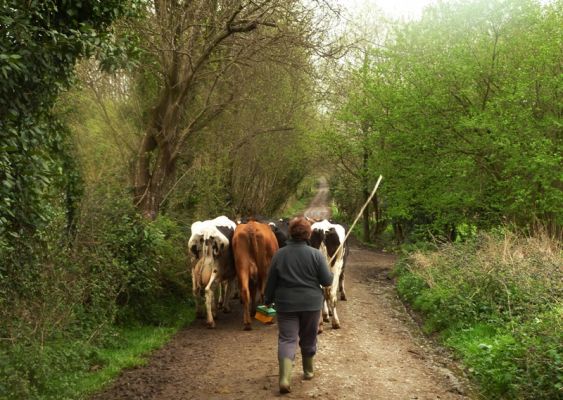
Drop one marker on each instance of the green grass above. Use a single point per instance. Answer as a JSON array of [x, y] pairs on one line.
[[296, 207], [128, 348], [495, 301], [136, 344]]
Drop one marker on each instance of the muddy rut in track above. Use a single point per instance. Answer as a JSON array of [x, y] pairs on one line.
[[378, 353]]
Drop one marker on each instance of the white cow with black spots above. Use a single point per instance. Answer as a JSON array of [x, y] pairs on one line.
[[327, 237], [213, 265]]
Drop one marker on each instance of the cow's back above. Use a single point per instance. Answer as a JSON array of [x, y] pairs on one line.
[[332, 235], [254, 245]]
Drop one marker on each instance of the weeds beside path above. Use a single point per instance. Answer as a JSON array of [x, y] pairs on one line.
[[496, 300]]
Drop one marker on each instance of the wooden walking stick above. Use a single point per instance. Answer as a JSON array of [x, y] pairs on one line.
[[357, 218]]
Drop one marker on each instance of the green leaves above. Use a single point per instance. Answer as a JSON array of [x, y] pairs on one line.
[[39, 44], [500, 311], [466, 104]]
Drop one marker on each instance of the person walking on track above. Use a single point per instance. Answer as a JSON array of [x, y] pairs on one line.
[[296, 275]]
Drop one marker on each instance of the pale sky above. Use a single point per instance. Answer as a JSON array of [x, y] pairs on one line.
[[407, 9]]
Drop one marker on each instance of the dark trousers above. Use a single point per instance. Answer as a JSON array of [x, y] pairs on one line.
[[302, 325]]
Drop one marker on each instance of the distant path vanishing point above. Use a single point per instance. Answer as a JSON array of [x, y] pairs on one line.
[[319, 208]]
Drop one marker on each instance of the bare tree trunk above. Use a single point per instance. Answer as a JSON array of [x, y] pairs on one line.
[[366, 216], [150, 188], [156, 163], [399, 232]]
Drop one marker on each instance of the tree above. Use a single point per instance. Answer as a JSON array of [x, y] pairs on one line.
[[464, 105], [469, 117], [192, 51], [40, 42], [358, 112]]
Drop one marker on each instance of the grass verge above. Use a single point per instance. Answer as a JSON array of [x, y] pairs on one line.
[[497, 302], [127, 347]]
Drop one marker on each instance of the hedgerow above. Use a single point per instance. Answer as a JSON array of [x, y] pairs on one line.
[[63, 302], [495, 300]]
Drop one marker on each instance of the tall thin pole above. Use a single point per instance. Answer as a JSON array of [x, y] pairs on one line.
[[357, 218]]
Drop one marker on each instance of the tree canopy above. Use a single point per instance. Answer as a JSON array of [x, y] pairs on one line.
[[462, 110]]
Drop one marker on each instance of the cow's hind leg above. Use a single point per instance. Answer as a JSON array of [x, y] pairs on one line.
[[199, 307], [245, 298], [252, 298], [343, 296], [196, 291], [332, 307], [227, 294], [209, 301], [332, 301], [335, 320], [221, 297], [326, 312]]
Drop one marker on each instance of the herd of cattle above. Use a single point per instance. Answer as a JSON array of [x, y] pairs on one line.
[[225, 253]]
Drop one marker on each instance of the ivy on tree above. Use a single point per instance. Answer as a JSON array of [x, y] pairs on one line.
[[40, 42]]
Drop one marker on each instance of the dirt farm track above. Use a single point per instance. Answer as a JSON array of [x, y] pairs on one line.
[[379, 353]]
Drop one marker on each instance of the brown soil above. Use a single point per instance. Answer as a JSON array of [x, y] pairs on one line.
[[379, 353]]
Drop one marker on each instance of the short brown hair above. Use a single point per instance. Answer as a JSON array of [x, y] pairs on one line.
[[299, 228]]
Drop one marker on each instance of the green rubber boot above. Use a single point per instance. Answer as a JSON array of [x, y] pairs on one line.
[[308, 368], [286, 365]]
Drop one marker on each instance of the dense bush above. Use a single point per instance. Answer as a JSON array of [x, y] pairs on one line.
[[497, 301], [40, 41], [62, 299]]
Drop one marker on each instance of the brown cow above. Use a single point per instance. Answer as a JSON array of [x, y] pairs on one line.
[[254, 245]]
